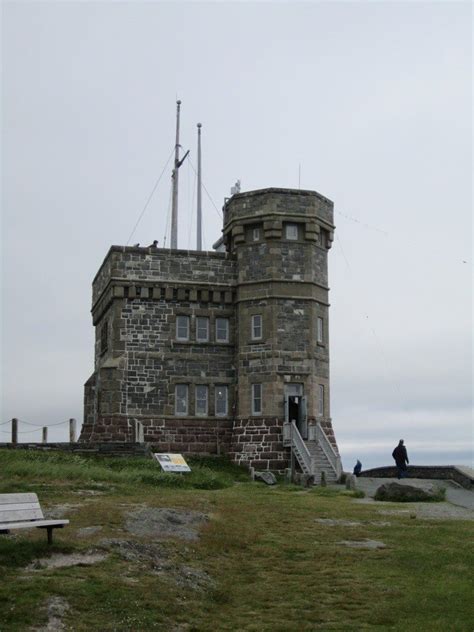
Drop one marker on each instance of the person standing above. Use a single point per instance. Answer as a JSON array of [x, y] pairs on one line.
[[401, 459], [357, 468]]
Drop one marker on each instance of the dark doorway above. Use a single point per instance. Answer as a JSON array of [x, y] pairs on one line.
[[293, 409]]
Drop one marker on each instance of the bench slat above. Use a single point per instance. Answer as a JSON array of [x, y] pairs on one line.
[[8, 499], [30, 525], [19, 507], [21, 514]]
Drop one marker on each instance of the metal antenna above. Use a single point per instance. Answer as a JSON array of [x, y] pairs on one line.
[[174, 176], [199, 194]]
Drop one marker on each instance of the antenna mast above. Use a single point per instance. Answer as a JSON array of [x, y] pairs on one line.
[[199, 194], [174, 177]]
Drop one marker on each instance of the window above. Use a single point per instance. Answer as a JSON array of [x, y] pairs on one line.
[[182, 327], [256, 399], [104, 337], [221, 401], [201, 399], [222, 329], [320, 333], [321, 401], [256, 234], [257, 327], [291, 231], [181, 399], [202, 329]]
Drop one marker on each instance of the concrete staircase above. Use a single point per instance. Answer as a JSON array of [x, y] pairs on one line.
[[315, 455], [321, 464]]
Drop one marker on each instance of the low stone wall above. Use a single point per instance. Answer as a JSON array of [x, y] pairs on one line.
[[258, 443], [443, 472]]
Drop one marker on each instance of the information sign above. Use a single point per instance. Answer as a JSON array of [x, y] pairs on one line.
[[172, 462]]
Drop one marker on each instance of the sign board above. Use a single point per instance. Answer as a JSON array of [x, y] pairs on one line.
[[172, 462]]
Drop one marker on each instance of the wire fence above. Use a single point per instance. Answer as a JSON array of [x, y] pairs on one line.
[[12, 429]]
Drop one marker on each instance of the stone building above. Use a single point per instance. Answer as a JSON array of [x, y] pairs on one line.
[[221, 352]]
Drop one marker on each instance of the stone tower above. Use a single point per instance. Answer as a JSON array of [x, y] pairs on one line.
[[223, 352], [280, 239]]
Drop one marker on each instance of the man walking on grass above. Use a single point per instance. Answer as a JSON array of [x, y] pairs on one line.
[[401, 459]]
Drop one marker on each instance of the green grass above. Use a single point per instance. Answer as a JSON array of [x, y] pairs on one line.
[[273, 567], [43, 466]]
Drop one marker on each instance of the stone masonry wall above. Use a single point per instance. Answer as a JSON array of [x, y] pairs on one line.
[[257, 443]]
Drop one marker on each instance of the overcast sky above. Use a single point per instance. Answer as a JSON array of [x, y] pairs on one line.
[[369, 101]]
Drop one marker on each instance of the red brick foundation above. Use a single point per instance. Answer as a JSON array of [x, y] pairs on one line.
[[184, 436], [258, 443]]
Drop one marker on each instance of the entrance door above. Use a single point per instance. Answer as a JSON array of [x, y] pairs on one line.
[[295, 408]]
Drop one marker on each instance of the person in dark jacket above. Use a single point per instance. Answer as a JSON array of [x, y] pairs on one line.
[[401, 459], [357, 468]]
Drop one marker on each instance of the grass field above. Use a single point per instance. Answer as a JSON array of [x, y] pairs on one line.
[[263, 562]]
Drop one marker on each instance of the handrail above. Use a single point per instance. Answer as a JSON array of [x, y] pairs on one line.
[[326, 446], [300, 445]]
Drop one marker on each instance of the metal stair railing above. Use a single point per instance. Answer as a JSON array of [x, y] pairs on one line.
[[316, 433], [292, 437]]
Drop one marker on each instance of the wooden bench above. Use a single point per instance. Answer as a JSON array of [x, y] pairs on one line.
[[23, 511]]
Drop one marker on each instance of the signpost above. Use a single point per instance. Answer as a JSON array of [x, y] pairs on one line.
[[172, 462]]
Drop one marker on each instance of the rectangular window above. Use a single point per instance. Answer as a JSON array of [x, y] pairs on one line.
[[255, 234], [104, 337], [256, 399], [321, 400], [221, 401], [320, 334], [291, 231], [181, 399], [201, 399], [257, 327], [202, 329], [222, 329], [182, 328]]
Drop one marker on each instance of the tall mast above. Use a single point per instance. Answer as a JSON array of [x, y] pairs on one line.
[[174, 176], [199, 194]]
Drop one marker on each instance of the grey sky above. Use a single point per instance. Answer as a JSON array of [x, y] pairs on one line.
[[373, 100]]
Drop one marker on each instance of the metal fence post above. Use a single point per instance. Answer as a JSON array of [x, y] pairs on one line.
[[45, 434]]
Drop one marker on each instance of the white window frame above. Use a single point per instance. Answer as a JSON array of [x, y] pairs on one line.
[[202, 413], [178, 327], [321, 400], [255, 326], [206, 319], [225, 400], [320, 329], [177, 399], [256, 234], [291, 231], [226, 320], [257, 392]]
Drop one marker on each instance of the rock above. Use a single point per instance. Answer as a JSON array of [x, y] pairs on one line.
[[56, 608], [267, 477], [351, 482], [62, 560], [363, 544], [165, 523], [334, 522], [395, 492], [155, 555], [87, 531]]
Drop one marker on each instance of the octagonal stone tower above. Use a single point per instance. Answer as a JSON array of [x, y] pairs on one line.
[[281, 239]]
